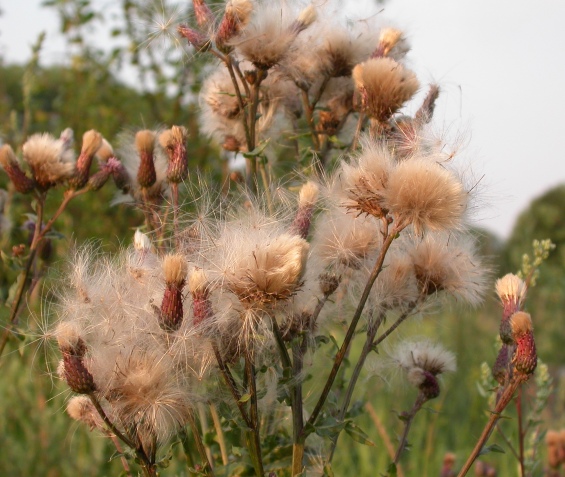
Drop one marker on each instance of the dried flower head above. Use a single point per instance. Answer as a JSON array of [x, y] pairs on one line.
[[9, 162], [270, 34], [105, 151], [202, 12], [426, 195], [342, 240], [449, 263], [423, 361], [365, 179], [174, 142], [384, 86], [80, 408], [50, 160]]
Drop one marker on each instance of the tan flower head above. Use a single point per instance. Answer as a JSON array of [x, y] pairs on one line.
[[365, 179], [50, 159], [511, 290], [384, 86], [428, 196], [449, 263]]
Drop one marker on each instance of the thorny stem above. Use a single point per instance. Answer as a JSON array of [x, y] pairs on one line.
[[297, 409], [200, 445], [358, 129], [148, 466], [285, 357], [367, 347], [493, 419], [309, 113], [408, 418], [219, 433], [351, 331], [382, 432], [175, 191], [255, 448], [507, 441], [24, 283], [521, 433]]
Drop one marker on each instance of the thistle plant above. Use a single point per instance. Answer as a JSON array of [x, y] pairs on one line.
[[219, 311]]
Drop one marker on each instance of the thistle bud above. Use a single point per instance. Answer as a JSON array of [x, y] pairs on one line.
[[304, 20], [80, 408], [174, 142], [9, 161], [144, 143], [235, 18], [174, 269], [500, 367], [525, 356], [388, 39], [194, 37], [307, 199], [72, 368], [199, 289], [426, 110], [91, 142], [202, 12]]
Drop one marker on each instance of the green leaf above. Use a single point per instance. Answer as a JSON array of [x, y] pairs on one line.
[[328, 472], [358, 434], [492, 448], [246, 397], [257, 151], [391, 470]]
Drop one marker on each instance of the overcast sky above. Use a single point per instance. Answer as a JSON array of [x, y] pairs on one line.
[[501, 67]]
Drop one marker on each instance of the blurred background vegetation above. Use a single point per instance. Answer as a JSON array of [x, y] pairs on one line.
[[37, 437]]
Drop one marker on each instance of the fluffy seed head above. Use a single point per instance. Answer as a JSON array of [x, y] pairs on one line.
[[426, 355], [426, 195], [343, 240], [50, 159], [80, 408], [365, 179], [270, 35], [68, 335], [384, 86], [141, 241], [307, 17], [175, 269], [449, 263], [91, 142]]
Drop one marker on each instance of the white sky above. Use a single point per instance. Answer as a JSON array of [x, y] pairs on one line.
[[501, 66]]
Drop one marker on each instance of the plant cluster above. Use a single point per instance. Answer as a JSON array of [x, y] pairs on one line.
[[225, 312]]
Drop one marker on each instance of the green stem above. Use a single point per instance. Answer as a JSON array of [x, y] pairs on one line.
[[219, 434], [367, 347], [255, 448], [351, 330], [408, 418], [297, 409]]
